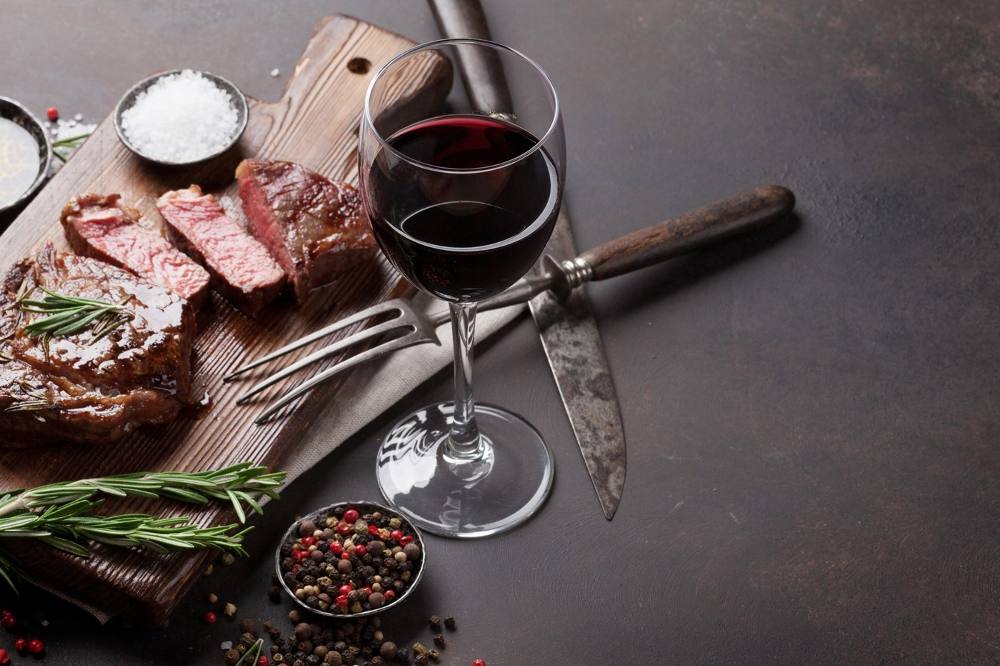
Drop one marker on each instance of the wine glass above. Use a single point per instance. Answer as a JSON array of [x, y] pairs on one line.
[[462, 183]]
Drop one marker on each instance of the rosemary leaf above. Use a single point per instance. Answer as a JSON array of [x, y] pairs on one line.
[[71, 141], [71, 547], [69, 315]]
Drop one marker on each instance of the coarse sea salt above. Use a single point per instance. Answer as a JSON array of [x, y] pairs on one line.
[[183, 117]]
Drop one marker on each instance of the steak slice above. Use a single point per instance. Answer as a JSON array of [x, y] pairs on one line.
[[241, 268], [76, 388], [100, 226], [312, 226]]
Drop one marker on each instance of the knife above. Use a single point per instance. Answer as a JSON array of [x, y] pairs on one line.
[[569, 333]]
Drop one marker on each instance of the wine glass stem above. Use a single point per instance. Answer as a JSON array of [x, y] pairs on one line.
[[464, 442]]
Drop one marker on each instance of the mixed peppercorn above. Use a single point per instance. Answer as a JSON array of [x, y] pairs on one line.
[[350, 560], [343, 643]]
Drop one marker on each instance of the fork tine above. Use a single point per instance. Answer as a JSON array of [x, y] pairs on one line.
[[380, 308], [347, 363], [330, 350]]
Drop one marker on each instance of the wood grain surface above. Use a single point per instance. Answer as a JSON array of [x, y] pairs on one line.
[[314, 123]]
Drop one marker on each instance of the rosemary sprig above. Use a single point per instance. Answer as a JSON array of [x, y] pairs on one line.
[[69, 144], [61, 514], [69, 315], [30, 400], [241, 483], [69, 526]]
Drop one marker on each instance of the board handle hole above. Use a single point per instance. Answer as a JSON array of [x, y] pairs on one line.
[[359, 65]]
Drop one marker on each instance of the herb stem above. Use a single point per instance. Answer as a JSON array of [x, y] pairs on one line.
[[70, 141]]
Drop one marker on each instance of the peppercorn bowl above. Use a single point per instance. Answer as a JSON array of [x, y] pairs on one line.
[[136, 92], [350, 560]]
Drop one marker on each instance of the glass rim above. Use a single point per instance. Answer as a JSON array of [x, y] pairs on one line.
[[435, 44]]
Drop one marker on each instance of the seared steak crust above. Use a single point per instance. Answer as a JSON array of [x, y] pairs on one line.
[[76, 388], [312, 226]]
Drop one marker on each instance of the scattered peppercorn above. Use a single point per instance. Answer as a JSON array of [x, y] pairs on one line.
[[439, 640], [212, 598], [478, 662], [344, 643], [210, 617], [8, 620], [449, 623], [435, 622], [21, 644], [227, 559], [4, 657], [229, 609], [388, 650], [36, 646], [52, 113]]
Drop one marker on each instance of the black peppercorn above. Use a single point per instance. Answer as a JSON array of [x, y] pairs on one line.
[[449, 622], [439, 640]]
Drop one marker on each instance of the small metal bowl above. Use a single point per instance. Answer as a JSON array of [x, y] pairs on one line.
[[17, 113], [128, 99], [363, 507]]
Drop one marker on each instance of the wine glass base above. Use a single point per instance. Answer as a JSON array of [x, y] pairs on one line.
[[451, 497]]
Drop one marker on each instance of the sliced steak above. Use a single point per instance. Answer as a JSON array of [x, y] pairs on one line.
[[78, 388], [241, 267], [312, 226], [101, 226]]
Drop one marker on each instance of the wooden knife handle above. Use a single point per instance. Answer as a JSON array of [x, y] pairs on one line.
[[742, 212], [481, 69]]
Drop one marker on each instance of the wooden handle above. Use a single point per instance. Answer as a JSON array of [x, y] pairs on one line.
[[481, 69], [678, 235]]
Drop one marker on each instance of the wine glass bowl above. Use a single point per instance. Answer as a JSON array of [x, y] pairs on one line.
[[462, 190]]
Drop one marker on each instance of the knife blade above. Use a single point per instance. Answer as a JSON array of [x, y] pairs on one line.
[[570, 337], [573, 346]]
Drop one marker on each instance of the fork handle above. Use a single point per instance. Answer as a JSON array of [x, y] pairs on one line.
[[716, 221]]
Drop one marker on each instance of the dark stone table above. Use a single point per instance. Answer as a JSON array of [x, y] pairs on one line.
[[812, 416]]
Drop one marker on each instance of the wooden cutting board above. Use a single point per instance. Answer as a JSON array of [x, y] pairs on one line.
[[314, 123]]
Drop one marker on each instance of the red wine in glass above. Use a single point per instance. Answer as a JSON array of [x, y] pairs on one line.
[[468, 224], [461, 184]]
